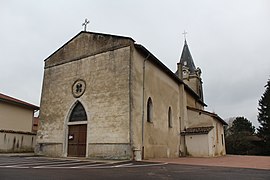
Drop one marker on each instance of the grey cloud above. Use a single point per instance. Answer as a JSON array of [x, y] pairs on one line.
[[228, 39]]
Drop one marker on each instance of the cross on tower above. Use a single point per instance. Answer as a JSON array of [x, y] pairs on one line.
[[85, 23], [185, 34]]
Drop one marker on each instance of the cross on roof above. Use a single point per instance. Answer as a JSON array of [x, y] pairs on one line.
[[185, 34], [85, 24]]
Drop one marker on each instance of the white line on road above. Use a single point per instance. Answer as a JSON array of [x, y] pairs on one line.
[[125, 166], [62, 164], [90, 165], [122, 165], [145, 165], [39, 163]]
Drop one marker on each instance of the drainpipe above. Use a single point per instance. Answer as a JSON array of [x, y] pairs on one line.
[[142, 150]]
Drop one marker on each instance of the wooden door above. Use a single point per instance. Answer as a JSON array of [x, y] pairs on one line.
[[77, 140]]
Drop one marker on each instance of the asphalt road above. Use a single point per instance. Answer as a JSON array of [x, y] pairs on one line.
[[49, 169]]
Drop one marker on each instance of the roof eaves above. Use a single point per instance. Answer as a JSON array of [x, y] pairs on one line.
[[156, 61], [11, 100], [197, 130]]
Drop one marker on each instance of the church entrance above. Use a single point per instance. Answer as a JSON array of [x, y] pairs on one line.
[[77, 140], [77, 132]]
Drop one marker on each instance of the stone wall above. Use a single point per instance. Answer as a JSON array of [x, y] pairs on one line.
[[159, 139], [106, 97], [14, 141]]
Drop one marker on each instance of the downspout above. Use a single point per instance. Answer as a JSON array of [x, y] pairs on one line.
[[130, 100], [142, 150]]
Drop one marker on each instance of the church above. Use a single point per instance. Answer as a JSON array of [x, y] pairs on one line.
[[106, 97]]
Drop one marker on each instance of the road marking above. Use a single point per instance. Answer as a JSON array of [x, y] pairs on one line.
[[62, 164], [145, 165], [90, 165], [39, 163], [122, 165], [68, 167], [23, 167], [125, 166]]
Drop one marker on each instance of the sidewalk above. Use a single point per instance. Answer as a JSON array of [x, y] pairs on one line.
[[256, 162]]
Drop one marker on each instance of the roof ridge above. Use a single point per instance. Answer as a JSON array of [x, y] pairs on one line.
[[87, 32], [10, 99]]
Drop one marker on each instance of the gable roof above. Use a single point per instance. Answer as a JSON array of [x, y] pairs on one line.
[[87, 32], [11, 100], [209, 114]]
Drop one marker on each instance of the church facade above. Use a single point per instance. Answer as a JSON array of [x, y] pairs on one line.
[[105, 96]]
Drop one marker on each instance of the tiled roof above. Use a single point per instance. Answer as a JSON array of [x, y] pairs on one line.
[[11, 100], [197, 130], [17, 132]]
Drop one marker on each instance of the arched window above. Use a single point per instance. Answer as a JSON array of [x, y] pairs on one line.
[[170, 117], [78, 113], [149, 110]]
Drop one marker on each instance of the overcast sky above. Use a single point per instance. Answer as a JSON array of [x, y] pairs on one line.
[[228, 39]]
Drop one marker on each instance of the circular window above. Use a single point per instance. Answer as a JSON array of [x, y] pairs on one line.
[[78, 88]]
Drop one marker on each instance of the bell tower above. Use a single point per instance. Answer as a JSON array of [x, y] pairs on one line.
[[187, 71]]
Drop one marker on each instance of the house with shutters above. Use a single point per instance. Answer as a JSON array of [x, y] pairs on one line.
[[107, 97]]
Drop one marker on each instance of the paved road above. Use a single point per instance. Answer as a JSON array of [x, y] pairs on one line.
[[15, 168], [61, 163]]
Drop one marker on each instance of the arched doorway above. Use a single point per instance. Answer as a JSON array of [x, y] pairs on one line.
[[77, 131]]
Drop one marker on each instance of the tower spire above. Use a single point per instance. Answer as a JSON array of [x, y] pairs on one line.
[[186, 58], [187, 71]]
